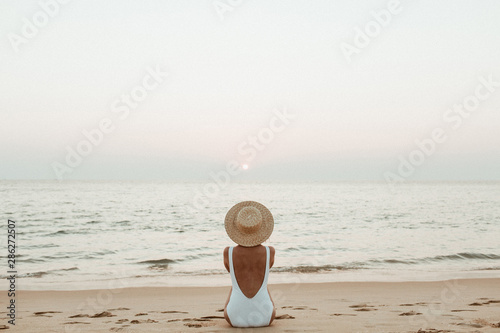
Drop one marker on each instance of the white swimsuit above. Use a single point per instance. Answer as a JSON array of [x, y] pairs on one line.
[[249, 312]]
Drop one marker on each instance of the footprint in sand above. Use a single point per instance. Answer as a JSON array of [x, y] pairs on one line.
[[475, 325], [284, 316], [366, 309], [206, 323], [103, 314], [79, 316], [300, 307], [75, 322], [410, 313], [204, 318], [453, 317], [343, 314], [363, 307], [433, 330], [196, 319], [141, 314], [490, 301], [479, 322], [97, 315], [174, 311], [143, 321], [44, 313]]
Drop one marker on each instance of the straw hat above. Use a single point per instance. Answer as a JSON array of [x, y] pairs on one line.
[[249, 223]]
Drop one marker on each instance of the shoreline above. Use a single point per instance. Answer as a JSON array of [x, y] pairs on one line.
[[457, 305], [223, 280]]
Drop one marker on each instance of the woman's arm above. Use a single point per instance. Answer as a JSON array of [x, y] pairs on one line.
[[226, 258], [271, 256]]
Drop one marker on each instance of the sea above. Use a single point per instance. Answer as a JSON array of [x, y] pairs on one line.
[[73, 235]]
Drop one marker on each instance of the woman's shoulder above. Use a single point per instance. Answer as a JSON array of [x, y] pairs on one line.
[[272, 251]]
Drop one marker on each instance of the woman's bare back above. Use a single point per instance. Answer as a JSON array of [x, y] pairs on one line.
[[249, 267]]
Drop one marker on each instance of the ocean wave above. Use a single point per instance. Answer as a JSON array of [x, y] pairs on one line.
[[101, 253], [439, 258], [374, 263], [30, 261], [43, 246], [61, 232], [466, 255], [158, 264], [314, 269], [69, 269], [34, 274], [199, 256], [162, 267], [41, 273], [158, 261], [56, 257], [497, 268]]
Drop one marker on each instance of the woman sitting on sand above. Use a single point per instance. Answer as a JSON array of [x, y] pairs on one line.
[[249, 304]]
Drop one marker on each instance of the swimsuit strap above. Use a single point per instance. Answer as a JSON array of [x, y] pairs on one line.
[[268, 258], [231, 270]]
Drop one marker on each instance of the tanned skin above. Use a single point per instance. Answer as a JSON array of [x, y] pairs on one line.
[[249, 270]]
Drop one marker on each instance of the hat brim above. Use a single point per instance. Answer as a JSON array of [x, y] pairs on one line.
[[253, 239]]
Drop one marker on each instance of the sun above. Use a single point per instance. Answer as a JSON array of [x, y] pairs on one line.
[[245, 166]]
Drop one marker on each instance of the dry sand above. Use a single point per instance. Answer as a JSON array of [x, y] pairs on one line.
[[471, 305]]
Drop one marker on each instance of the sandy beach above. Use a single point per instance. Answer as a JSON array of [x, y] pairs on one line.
[[471, 305]]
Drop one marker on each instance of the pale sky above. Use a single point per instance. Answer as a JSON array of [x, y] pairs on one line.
[[230, 66]]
